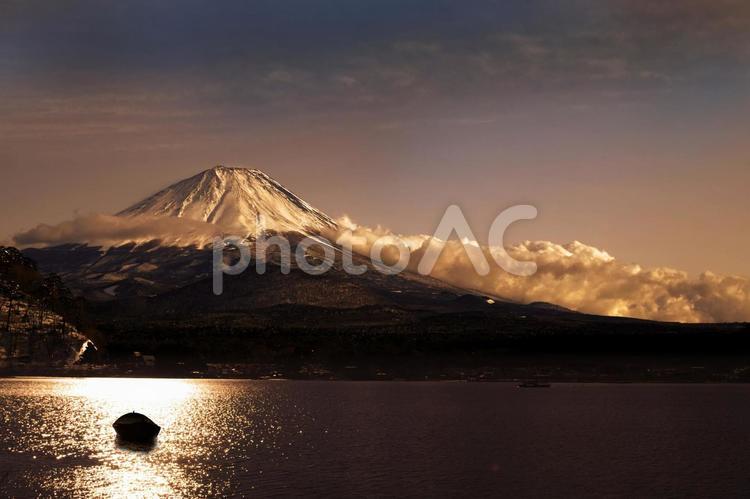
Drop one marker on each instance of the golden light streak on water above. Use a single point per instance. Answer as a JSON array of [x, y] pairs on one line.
[[127, 471], [64, 430]]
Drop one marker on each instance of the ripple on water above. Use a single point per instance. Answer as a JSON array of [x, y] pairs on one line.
[[60, 435], [222, 438]]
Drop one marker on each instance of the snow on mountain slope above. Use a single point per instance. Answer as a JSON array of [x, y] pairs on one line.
[[233, 198]]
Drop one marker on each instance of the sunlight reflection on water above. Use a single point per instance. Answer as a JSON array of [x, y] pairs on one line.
[[64, 434], [125, 473]]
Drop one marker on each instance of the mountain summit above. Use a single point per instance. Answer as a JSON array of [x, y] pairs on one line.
[[234, 198]]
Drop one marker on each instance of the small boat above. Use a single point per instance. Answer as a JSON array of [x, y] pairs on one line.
[[136, 427], [533, 384]]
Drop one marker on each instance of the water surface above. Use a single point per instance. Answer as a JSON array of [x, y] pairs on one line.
[[265, 438]]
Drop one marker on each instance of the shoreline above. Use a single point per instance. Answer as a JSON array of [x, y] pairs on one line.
[[647, 372]]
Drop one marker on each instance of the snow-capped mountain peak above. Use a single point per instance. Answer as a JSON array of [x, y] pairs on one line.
[[233, 198]]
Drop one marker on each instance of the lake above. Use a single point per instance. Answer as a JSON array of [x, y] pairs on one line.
[[375, 439]]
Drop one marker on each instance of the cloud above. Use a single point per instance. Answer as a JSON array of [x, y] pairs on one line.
[[580, 277], [574, 275], [103, 82], [109, 230]]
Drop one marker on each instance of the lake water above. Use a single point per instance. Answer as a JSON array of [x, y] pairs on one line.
[[376, 439]]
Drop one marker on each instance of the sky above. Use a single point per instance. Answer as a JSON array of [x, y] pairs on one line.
[[625, 122]]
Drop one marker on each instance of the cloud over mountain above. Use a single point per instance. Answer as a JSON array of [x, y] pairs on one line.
[[111, 230], [582, 278], [573, 275]]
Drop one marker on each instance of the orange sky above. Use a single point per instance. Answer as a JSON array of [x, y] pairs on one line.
[[625, 123]]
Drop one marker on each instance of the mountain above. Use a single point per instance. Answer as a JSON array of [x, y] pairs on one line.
[[234, 198], [156, 297]]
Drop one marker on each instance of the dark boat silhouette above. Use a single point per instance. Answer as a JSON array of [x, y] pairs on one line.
[[136, 427], [533, 384]]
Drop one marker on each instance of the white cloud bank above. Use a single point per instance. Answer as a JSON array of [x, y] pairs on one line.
[[111, 230], [583, 278], [573, 275]]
